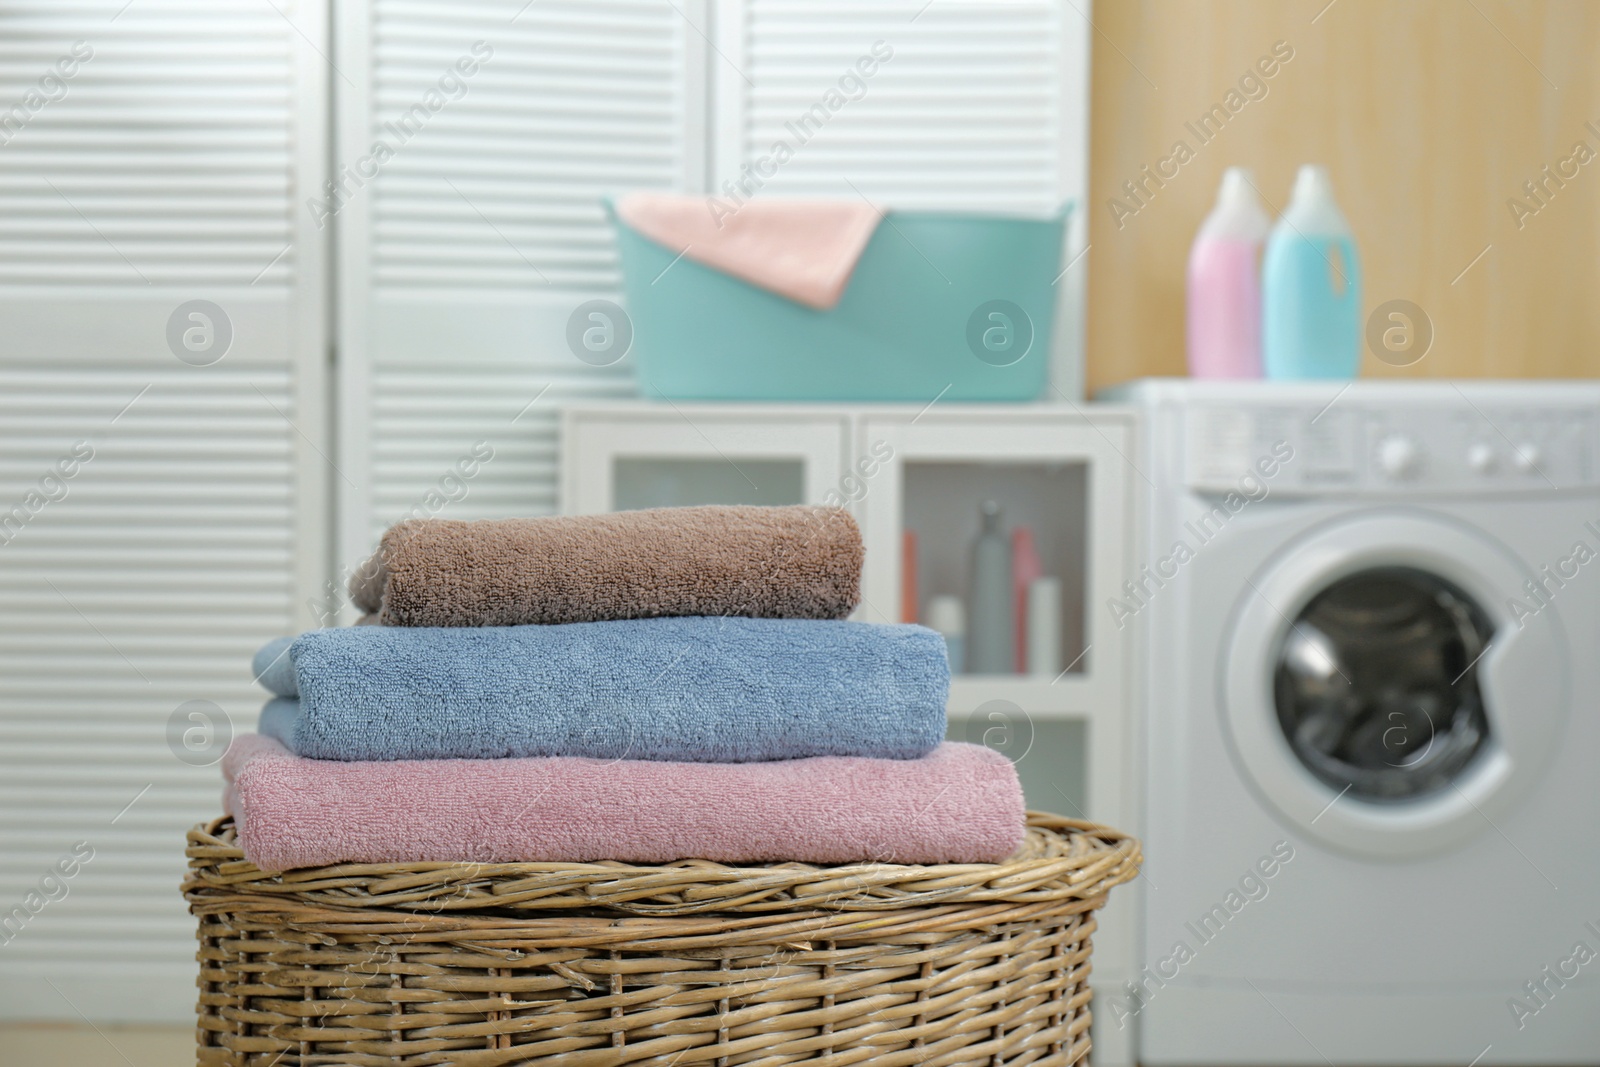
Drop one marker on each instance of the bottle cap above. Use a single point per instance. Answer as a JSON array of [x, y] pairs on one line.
[[1311, 182], [1238, 215], [1237, 187], [1312, 209]]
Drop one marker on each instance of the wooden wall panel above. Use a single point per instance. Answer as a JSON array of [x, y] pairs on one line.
[[1430, 114]]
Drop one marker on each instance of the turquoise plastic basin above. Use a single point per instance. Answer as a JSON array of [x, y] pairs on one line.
[[918, 318]]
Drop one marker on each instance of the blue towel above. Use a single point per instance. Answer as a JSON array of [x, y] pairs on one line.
[[726, 690], [280, 718], [273, 668]]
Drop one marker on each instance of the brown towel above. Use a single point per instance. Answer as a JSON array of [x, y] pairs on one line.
[[797, 562]]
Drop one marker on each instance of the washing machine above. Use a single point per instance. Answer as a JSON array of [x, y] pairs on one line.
[[1369, 616]]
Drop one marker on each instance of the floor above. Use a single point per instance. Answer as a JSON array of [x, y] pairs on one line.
[[51, 1045]]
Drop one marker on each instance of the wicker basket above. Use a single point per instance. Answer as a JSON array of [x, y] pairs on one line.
[[585, 965]]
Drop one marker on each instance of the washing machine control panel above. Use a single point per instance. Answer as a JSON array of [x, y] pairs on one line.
[[1469, 446]]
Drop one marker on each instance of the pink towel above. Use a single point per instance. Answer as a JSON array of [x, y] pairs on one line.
[[801, 249], [959, 804]]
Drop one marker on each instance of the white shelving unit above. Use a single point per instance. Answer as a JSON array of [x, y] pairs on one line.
[[1067, 472]]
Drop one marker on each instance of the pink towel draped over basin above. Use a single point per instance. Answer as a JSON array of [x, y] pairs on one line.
[[805, 250]]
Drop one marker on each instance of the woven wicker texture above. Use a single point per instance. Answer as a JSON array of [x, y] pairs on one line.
[[591, 965]]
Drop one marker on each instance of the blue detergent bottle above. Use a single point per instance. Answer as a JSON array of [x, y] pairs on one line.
[[1311, 288]]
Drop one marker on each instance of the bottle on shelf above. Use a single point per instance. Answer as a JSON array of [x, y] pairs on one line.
[[947, 615], [1025, 567], [1044, 627], [1311, 287], [910, 595], [990, 622], [1224, 322]]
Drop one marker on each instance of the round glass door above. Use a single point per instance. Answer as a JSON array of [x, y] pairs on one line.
[[1376, 684]]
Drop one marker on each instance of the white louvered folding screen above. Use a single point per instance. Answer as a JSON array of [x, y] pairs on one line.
[[472, 244], [167, 469]]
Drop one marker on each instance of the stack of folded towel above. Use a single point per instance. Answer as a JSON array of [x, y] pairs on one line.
[[644, 687]]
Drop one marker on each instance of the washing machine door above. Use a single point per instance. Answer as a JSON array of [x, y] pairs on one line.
[[1381, 692]]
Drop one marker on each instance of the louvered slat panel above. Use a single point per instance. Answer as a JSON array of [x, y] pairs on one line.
[[427, 421], [475, 243], [499, 189], [967, 112], [104, 634], [170, 163], [163, 159]]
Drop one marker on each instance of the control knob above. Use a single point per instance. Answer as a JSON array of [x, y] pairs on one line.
[[1399, 457]]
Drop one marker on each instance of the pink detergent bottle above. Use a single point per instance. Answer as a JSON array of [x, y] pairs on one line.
[[1225, 283]]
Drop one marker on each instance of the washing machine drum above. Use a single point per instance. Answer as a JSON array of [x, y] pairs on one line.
[[1375, 686], [1379, 691]]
